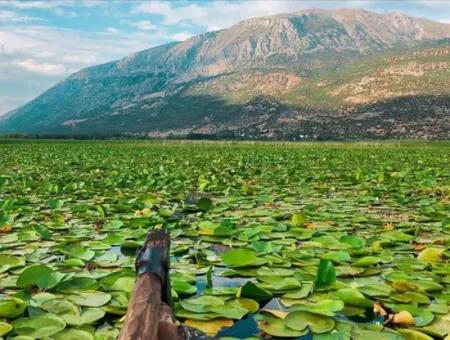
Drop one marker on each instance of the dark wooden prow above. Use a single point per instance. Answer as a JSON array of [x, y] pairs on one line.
[[149, 315]]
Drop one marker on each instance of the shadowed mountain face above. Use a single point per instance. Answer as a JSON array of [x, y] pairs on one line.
[[312, 74]]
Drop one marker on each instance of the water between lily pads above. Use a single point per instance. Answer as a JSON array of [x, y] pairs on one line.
[[246, 327]]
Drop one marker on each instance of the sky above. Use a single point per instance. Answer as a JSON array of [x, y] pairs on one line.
[[42, 42]]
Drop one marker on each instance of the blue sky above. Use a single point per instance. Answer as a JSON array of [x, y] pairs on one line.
[[42, 42]]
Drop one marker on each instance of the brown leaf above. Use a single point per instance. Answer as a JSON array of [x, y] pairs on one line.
[[6, 228], [403, 318]]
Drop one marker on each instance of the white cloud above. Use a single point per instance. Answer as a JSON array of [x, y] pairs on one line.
[[214, 15], [34, 66], [112, 30], [144, 25], [65, 13], [6, 15], [31, 4], [83, 59], [11, 16], [181, 36], [34, 57]]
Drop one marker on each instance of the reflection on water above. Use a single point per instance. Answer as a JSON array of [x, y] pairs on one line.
[[123, 252], [243, 328]]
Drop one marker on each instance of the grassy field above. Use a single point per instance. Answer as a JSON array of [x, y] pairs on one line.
[[288, 240]]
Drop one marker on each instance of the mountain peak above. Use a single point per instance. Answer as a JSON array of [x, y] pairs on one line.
[[243, 68]]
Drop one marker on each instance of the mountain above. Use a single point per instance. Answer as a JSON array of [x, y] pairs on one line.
[[346, 73]]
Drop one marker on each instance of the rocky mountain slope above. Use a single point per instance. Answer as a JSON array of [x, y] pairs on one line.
[[312, 74]]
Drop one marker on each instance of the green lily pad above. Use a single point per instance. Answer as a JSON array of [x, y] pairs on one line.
[[11, 307], [300, 320], [253, 291], [301, 293], [440, 327], [326, 274], [324, 307], [431, 254], [90, 298], [411, 334], [201, 304], [78, 283], [204, 204], [352, 240], [74, 263], [352, 297], [376, 290], [274, 326], [81, 253], [298, 220], [336, 256], [39, 326], [55, 203], [41, 276], [367, 261], [241, 258], [88, 316], [183, 287], [374, 332], [279, 283], [59, 306], [5, 328], [409, 297], [251, 305], [73, 334], [8, 262]]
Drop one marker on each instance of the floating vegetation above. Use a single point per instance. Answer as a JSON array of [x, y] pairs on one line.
[[333, 241]]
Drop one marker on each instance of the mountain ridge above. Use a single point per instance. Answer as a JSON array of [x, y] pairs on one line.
[[272, 58]]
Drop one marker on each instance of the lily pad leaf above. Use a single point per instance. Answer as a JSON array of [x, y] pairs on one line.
[[431, 254], [274, 326], [5, 328], [39, 326], [204, 204], [253, 291], [374, 332], [113, 225], [377, 290], [241, 258], [352, 297], [301, 293], [40, 275], [88, 316], [326, 274], [324, 307], [336, 256], [300, 320], [81, 253], [60, 306], [55, 203], [183, 287], [298, 220], [367, 261], [90, 298], [210, 328], [352, 240], [73, 334], [8, 262], [411, 334], [440, 327], [251, 305]]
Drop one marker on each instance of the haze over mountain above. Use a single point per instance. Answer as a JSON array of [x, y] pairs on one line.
[[345, 73]]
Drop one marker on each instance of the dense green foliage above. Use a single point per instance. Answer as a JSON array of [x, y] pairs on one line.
[[285, 239]]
